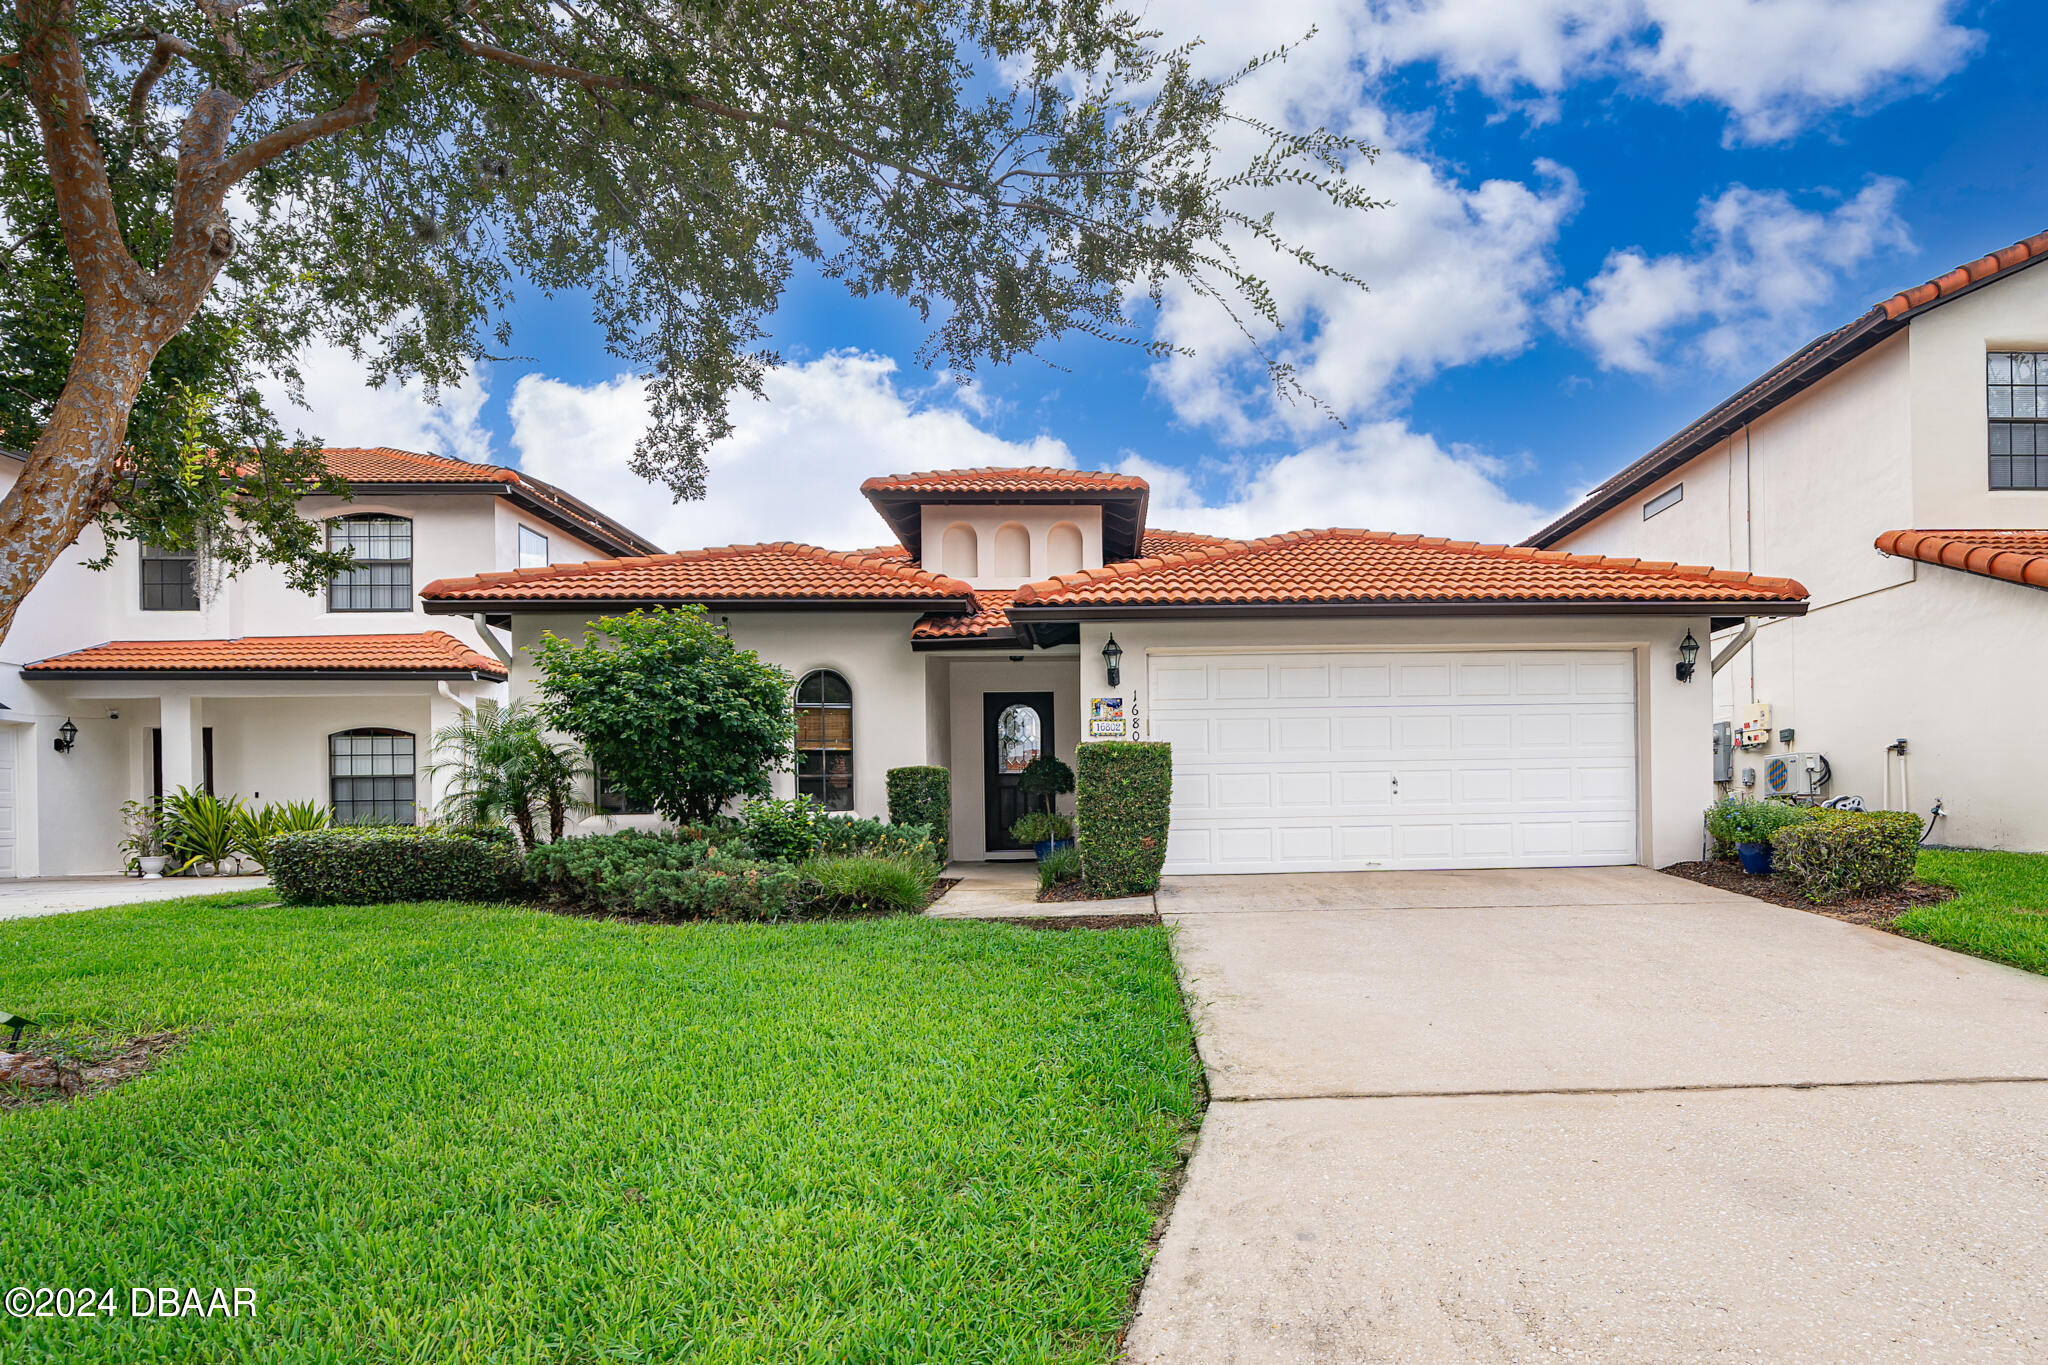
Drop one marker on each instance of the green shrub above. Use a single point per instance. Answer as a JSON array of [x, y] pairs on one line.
[[1046, 778], [1123, 794], [924, 796], [786, 831], [1058, 867], [1037, 827], [865, 886], [1732, 821], [1850, 853], [199, 827], [374, 864], [662, 876], [845, 836]]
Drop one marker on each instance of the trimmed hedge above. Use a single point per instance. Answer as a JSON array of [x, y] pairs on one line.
[[373, 864], [1848, 853], [924, 796], [662, 876], [1123, 791]]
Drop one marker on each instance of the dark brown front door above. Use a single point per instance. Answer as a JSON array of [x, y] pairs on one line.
[[1017, 727]]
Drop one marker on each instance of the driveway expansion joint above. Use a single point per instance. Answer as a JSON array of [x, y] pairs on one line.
[[1701, 1088]]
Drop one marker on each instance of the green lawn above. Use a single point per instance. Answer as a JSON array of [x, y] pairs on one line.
[[449, 1133], [2001, 911]]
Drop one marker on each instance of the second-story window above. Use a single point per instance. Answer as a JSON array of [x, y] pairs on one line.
[[533, 549], [382, 577], [169, 580], [2016, 389]]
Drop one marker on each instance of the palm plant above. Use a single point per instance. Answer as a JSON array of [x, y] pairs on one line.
[[200, 827], [505, 770]]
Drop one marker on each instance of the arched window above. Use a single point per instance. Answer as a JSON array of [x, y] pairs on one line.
[[1063, 549], [961, 555], [370, 777], [1013, 551], [382, 577], [824, 739]]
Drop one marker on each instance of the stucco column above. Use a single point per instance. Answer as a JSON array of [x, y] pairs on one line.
[[182, 723]]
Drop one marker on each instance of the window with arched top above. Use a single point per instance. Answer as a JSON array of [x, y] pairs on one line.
[[381, 579], [960, 552], [370, 775], [824, 739], [1063, 549], [1013, 551]]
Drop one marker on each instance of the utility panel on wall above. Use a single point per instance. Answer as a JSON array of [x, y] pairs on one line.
[[1756, 726]]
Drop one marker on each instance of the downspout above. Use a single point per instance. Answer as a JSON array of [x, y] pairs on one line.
[[1734, 646], [464, 702], [491, 640]]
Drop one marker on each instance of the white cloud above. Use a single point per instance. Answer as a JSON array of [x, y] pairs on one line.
[[1381, 476], [342, 409], [1763, 266], [1774, 65], [789, 471]]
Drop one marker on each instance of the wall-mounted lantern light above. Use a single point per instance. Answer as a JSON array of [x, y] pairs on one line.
[[67, 735], [1113, 657], [1688, 652]]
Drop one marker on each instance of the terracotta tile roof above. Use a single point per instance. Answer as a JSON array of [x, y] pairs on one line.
[[780, 572], [990, 619], [2019, 556], [1790, 377], [1367, 567], [371, 466], [994, 479], [1176, 542], [1964, 276], [429, 652]]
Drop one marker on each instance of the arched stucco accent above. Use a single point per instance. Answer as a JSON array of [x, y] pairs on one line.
[[960, 552], [1013, 551], [1063, 549]]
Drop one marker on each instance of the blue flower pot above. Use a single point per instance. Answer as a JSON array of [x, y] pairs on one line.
[[1045, 846], [1756, 859]]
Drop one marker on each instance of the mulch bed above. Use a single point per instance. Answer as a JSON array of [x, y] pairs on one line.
[[43, 1075], [1875, 912], [1082, 921]]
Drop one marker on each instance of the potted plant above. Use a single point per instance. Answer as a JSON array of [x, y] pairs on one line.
[[1046, 779], [145, 841], [1749, 825], [1044, 831]]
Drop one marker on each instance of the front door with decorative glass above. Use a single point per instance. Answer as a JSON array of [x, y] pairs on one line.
[[1018, 728]]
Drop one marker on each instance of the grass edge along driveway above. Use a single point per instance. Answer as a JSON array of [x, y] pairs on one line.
[[2000, 910], [461, 1133]]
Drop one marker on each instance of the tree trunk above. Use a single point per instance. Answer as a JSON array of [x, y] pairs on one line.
[[558, 814], [522, 816], [71, 468]]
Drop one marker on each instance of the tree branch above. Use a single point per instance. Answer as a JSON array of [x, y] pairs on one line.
[[167, 47], [358, 108]]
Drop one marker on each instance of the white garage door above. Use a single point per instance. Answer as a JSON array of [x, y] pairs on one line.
[[1330, 761], [7, 733]]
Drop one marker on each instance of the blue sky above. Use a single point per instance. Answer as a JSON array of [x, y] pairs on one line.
[[1608, 215]]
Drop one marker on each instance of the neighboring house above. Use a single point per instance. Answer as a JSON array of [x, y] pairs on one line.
[[1898, 467], [248, 687], [1335, 699]]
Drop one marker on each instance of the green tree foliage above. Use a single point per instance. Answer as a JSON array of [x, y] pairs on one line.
[[381, 173], [678, 717], [504, 770]]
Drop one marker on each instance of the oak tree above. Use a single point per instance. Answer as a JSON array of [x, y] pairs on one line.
[[380, 173]]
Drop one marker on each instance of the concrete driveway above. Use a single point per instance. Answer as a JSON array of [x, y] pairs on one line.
[[32, 896], [1600, 1115]]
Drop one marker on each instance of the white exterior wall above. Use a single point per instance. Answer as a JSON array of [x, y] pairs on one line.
[[1890, 648], [1675, 762], [1037, 521], [870, 649], [272, 740]]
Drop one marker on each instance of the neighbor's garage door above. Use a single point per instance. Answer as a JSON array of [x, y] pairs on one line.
[[1330, 761]]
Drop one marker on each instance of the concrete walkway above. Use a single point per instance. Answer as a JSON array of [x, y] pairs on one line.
[[1598, 1115], [1009, 890], [31, 896]]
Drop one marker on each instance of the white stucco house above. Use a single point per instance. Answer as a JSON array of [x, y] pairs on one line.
[[1336, 699], [248, 687], [1898, 467]]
